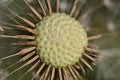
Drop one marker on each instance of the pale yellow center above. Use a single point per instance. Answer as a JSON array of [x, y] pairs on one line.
[[61, 40]]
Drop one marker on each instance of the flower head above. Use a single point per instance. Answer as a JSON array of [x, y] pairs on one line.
[[55, 42]]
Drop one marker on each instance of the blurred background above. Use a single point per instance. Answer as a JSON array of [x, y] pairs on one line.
[[103, 17]]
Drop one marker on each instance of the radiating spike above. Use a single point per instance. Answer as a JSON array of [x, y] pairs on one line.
[[86, 64], [92, 51], [87, 28], [11, 65], [25, 43], [31, 60], [6, 36], [83, 70], [27, 21], [26, 57], [90, 45], [32, 16], [47, 71], [22, 59], [42, 77], [12, 72], [76, 72], [73, 8], [33, 10], [18, 36], [52, 74], [22, 18], [92, 54], [1, 29], [76, 13], [28, 29], [94, 37], [14, 20], [65, 74], [57, 5], [49, 77], [72, 72], [39, 70], [49, 7], [31, 69], [90, 11], [21, 52], [26, 64], [20, 26], [76, 66], [8, 56], [25, 37], [60, 73], [9, 28], [93, 63], [81, 17], [26, 50], [42, 8], [89, 57]]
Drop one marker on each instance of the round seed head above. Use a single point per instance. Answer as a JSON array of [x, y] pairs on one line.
[[55, 44], [61, 40]]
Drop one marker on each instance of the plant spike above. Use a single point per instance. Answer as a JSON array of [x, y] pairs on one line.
[[57, 5], [33, 10], [42, 8], [73, 8], [30, 69], [22, 18], [49, 7]]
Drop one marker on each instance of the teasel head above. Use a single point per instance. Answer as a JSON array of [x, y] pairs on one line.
[[54, 42]]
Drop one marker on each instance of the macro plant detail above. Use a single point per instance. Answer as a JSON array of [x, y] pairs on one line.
[[54, 42]]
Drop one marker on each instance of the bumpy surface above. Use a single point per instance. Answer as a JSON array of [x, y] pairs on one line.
[[61, 40]]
